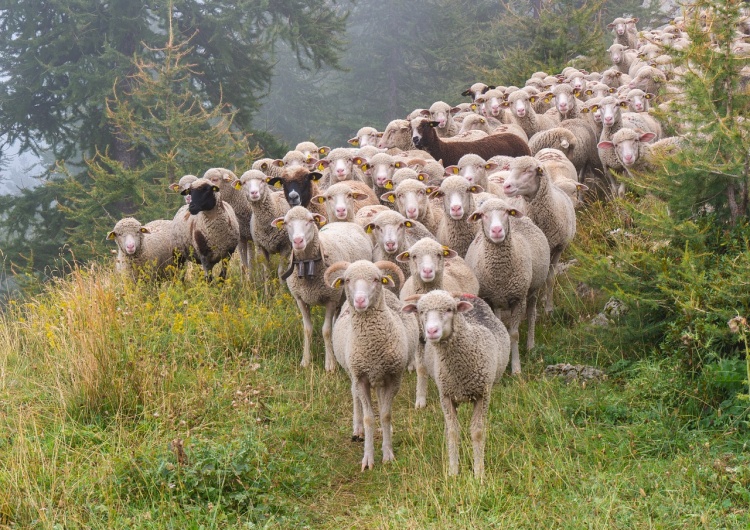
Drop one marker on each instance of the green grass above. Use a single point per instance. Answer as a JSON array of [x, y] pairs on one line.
[[101, 383]]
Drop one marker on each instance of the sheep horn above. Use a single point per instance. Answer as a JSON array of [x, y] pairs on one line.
[[391, 267], [333, 269]]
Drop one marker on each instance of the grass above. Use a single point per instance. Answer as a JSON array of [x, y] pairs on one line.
[[182, 405]]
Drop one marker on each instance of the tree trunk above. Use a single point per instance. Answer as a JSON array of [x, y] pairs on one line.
[[536, 8]]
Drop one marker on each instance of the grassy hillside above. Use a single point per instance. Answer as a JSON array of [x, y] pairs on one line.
[[182, 405]]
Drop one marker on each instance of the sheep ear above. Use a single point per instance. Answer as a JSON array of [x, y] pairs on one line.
[[353, 141], [455, 110], [505, 104], [466, 92], [398, 165], [463, 306], [264, 166], [358, 160], [585, 110], [515, 213], [424, 112], [337, 283], [431, 189], [476, 188], [433, 123], [359, 196], [274, 181], [144, 230], [111, 236], [611, 90], [588, 92], [409, 308], [278, 223], [214, 188], [491, 166], [605, 144], [387, 280], [365, 167], [623, 104], [369, 228], [390, 197], [581, 187], [539, 170], [319, 219], [594, 108], [237, 184], [320, 199], [388, 184], [174, 187], [437, 193], [314, 176], [408, 224], [647, 137], [452, 170], [648, 96], [449, 253], [474, 107], [324, 150], [403, 257], [422, 177], [278, 163], [476, 216], [320, 165]]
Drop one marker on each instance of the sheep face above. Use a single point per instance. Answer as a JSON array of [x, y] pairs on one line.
[[455, 193], [426, 258], [615, 53], [301, 226], [618, 25], [381, 170], [564, 100], [627, 146], [255, 187], [389, 236], [495, 217], [409, 200], [436, 311], [183, 186], [203, 196], [523, 179], [363, 284], [298, 185], [638, 100], [339, 200], [394, 134], [341, 166], [128, 234], [421, 128], [610, 111]]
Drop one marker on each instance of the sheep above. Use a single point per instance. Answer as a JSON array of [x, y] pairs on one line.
[[635, 153], [638, 100], [476, 90], [622, 57], [397, 135], [268, 166], [339, 166], [311, 153], [379, 169], [510, 257], [614, 78], [365, 136], [427, 170], [392, 234], [648, 79], [576, 140], [563, 174], [372, 341], [300, 186], [435, 266], [524, 115], [548, 207], [592, 117], [567, 106], [213, 228], [266, 206], [182, 185], [450, 152], [443, 113], [344, 199], [366, 214], [623, 35], [598, 90], [455, 231], [475, 122], [181, 229], [224, 178], [144, 250], [577, 80], [313, 250], [466, 353], [411, 200], [490, 103]]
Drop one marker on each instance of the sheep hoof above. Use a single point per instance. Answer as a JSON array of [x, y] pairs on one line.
[[305, 363], [389, 457], [420, 403], [357, 438], [331, 368], [368, 462]]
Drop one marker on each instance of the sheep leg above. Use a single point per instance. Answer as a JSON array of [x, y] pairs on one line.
[[331, 308], [531, 319], [451, 432], [386, 393], [550, 282], [421, 401], [357, 427], [363, 389], [478, 416], [513, 323], [307, 328]]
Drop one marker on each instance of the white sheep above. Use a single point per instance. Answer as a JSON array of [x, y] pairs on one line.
[[313, 250], [365, 136], [466, 353], [411, 200], [372, 341], [457, 195], [344, 199], [144, 250], [524, 115], [510, 258], [443, 113], [392, 234], [634, 151], [548, 207]]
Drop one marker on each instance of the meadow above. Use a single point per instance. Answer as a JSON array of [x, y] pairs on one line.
[[183, 405]]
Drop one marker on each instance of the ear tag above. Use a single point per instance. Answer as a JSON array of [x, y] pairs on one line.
[[512, 212], [446, 252], [321, 200], [539, 170], [238, 185], [215, 188], [337, 283], [398, 165], [456, 170], [408, 224], [277, 184], [368, 229], [384, 280], [420, 177], [264, 166], [391, 198], [321, 167], [388, 185]]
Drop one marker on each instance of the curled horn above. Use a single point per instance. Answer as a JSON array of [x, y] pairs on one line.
[[388, 266], [413, 298], [333, 269]]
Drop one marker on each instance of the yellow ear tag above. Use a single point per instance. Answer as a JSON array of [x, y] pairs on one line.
[[512, 212], [355, 142], [215, 188], [321, 200], [408, 224], [337, 283], [368, 229], [111, 236], [481, 120], [397, 165], [320, 167], [446, 252], [264, 166], [456, 170], [277, 184], [388, 185], [539, 170], [384, 279], [391, 198], [280, 224], [420, 177], [473, 106], [238, 185], [405, 255], [546, 100]]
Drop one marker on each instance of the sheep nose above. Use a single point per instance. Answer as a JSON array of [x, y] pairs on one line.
[[298, 240], [427, 271], [432, 331], [496, 231], [628, 158], [456, 210], [360, 301], [340, 213], [415, 139], [411, 213]]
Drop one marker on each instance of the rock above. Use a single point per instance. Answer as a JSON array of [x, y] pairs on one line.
[[578, 372]]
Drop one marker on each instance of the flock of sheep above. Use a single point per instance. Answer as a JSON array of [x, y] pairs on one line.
[[429, 243]]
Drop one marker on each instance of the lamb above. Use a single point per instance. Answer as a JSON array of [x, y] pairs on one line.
[[455, 231], [467, 352], [622, 57], [392, 234], [524, 115], [365, 136], [313, 250], [372, 341], [213, 228], [435, 266], [266, 206], [344, 199], [300, 186], [450, 152], [510, 257], [411, 200], [638, 100], [635, 153], [224, 179], [548, 207], [145, 250]]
